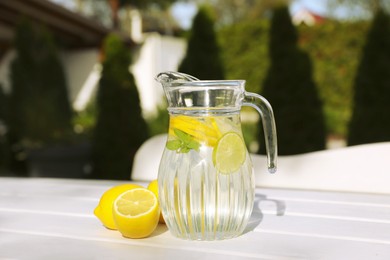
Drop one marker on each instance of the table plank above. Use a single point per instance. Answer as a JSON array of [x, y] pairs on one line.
[[285, 224]]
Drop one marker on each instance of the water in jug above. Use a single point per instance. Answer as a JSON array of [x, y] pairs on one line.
[[206, 179]]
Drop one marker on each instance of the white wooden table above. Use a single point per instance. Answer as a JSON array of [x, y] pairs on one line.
[[53, 219]]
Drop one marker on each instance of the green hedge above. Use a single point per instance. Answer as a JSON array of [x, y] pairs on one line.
[[3, 119], [202, 59], [290, 88], [120, 128], [370, 120], [334, 47], [245, 52], [40, 111]]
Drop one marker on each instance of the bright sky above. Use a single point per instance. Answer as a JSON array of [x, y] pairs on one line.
[[317, 6], [183, 11]]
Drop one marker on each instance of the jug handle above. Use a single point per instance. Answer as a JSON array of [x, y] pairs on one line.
[[267, 116]]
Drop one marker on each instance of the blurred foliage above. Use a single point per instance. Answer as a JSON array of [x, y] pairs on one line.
[[245, 52], [333, 46], [358, 9], [3, 105], [203, 58], [371, 120], [146, 3], [84, 121], [40, 111], [158, 124], [230, 12], [290, 89], [3, 128], [250, 133], [107, 12], [120, 128]]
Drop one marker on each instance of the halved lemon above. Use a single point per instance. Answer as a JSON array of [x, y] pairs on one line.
[[103, 210], [136, 213], [229, 153]]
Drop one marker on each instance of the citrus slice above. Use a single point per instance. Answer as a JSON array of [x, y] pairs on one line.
[[103, 210], [229, 153], [202, 129], [136, 213]]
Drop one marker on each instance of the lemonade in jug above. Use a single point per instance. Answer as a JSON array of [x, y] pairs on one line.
[[206, 179]]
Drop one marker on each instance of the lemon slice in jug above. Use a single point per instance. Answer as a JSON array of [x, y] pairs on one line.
[[229, 153]]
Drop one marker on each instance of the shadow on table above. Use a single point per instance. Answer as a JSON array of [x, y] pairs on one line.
[[257, 215], [161, 228]]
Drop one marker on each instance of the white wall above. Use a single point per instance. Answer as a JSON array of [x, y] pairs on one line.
[[157, 54], [78, 66], [83, 73], [5, 64]]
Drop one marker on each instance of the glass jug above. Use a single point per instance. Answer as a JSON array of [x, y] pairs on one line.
[[206, 180]]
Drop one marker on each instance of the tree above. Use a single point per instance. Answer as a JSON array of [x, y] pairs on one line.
[[40, 111], [244, 51], [202, 58], [357, 8], [120, 128], [3, 105], [232, 11], [291, 90], [110, 8], [370, 120], [3, 119]]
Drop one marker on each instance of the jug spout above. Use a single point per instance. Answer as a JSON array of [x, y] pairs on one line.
[[168, 77], [267, 116]]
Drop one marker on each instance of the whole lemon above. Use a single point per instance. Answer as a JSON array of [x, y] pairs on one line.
[[153, 187], [103, 211]]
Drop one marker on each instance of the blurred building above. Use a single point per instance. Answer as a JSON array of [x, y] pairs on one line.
[[307, 17], [81, 38]]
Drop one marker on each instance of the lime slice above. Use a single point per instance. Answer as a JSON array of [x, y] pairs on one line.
[[229, 153]]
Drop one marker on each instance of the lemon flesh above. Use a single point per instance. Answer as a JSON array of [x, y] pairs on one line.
[[230, 153], [103, 211], [136, 213]]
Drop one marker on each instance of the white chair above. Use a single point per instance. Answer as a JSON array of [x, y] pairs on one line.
[[361, 168], [147, 158]]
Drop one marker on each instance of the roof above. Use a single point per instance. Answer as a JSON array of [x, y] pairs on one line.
[[72, 29], [307, 17]]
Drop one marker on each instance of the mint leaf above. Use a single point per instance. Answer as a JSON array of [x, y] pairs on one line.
[[184, 142], [193, 145], [183, 136], [184, 150], [174, 144]]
